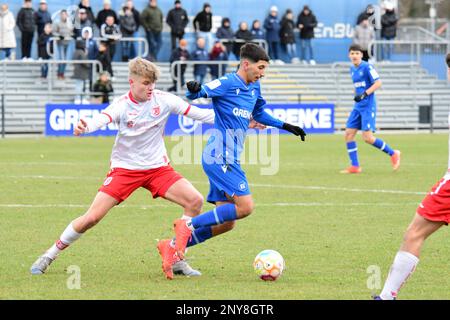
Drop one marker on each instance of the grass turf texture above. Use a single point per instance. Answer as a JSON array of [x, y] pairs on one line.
[[328, 236]]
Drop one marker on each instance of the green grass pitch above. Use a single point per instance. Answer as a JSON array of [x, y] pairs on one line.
[[329, 227]]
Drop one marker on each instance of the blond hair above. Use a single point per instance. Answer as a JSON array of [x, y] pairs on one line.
[[143, 68]]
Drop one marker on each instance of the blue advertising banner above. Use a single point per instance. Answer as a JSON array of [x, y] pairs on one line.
[[314, 118]]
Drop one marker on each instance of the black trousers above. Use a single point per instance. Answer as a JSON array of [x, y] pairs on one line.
[[27, 40]]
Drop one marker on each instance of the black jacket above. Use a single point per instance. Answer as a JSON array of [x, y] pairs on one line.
[[105, 59], [104, 87], [204, 21], [89, 12], [389, 24], [287, 31], [42, 45], [309, 22], [178, 54], [101, 17], [41, 18], [26, 20], [177, 19]]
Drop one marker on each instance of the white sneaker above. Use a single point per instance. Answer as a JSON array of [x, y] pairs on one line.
[[183, 268], [312, 62], [295, 61], [279, 62], [77, 101], [304, 62]]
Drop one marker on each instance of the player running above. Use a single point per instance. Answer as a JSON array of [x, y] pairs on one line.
[[138, 159], [432, 213], [236, 98], [366, 82]]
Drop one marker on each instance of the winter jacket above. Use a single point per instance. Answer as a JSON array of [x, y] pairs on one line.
[[287, 31], [7, 24], [180, 54], [112, 33], [104, 87], [258, 34], [89, 12], [217, 54], [200, 55], [363, 36], [203, 21], [63, 31], [25, 20], [389, 25], [105, 59], [152, 19], [309, 22], [82, 24], [272, 26], [41, 18], [243, 35], [128, 24], [81, 70], [43, 39], [177, 19], [101, 17]]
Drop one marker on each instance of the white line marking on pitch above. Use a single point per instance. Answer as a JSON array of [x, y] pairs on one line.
[[276, 204], [257, 185]]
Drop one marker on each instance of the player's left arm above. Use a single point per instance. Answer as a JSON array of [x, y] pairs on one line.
[[261, 116], [179, 106], [374, 79]]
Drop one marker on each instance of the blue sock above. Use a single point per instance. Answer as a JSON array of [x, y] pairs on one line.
[[352, 150], [199, 236], [383, 146], [219, 215]]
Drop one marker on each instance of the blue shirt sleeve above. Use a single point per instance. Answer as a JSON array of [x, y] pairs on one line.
[[372, 74], [217, 88], [260, 115]]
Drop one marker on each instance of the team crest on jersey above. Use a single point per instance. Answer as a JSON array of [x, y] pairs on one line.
[[107, 181], [156, 111], [242, 185], [237, 91], [130, 124], [253, 92]]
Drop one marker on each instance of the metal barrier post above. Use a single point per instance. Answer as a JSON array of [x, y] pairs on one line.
[[431, 113], [3, 115]]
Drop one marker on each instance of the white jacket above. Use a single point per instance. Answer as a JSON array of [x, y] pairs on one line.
[[7, 24]]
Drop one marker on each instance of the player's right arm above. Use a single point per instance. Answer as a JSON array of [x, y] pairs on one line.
[[89, 125]]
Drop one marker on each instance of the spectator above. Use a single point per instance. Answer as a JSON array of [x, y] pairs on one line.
[[84, 4], [42, 17], [242, 34], [179, 54], [137, 18], [225, 32], [152, 21], [177, 19], [81, 22], [200, 54], [103, 85], [43, 54], [257, 32], [63, 30], [306, 22], [104, 13], [388, 30], [7, 36], [81, 71], [218, 53], [128, 26], [287, 36], [366, 14], [203, 24], [104, 58], [111, 32], [91, 48], [272, 26], [27, 26], [363, 36]]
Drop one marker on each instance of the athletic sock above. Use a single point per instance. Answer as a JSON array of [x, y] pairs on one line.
[[404, 265], [200, 235], [68, 236], [352, 150], [383, 146], [218, 215]]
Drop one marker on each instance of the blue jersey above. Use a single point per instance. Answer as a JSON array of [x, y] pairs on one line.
[[363, 77], [234, 103]]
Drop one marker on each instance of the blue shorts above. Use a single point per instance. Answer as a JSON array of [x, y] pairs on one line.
[[362, 120], [227, 179]]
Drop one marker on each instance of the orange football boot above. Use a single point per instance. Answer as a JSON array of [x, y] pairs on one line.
[[352, 169], [169, 257], [395, 159]]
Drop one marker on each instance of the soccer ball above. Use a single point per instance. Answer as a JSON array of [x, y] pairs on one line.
[[269, 265]]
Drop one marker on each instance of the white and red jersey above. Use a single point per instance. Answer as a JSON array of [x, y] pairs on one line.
[[139, 142]]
